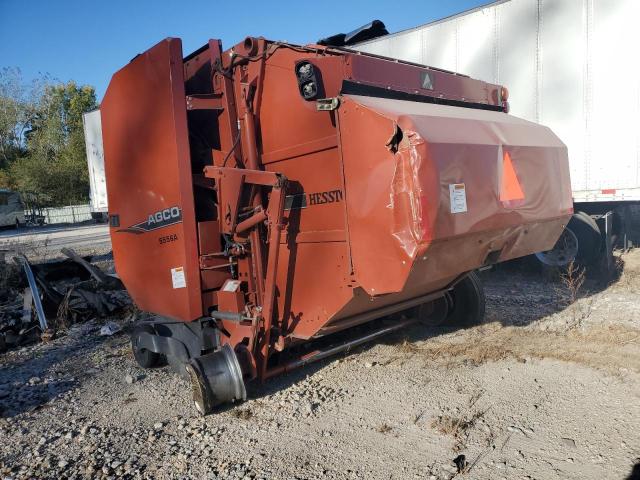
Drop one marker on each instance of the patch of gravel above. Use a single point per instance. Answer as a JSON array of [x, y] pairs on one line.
[[529, 394]]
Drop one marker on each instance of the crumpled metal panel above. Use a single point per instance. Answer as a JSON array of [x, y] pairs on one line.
[[399, 188], [409, 197]]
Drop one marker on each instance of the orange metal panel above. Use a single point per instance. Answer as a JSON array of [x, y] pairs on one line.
[[291, 126], [148, 169], [401, 193], [314, 285]]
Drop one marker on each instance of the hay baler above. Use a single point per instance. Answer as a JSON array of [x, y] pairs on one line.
[[269, 195]]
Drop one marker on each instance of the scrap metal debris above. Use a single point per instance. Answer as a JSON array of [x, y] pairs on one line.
[[33, 292], [109, 329], [39, 299]]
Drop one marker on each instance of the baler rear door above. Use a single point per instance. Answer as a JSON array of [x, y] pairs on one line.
[[149, 183]]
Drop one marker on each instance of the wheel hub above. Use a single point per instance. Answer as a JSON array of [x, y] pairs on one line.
[[563, 252]]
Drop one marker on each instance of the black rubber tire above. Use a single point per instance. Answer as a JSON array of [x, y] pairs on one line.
[[433, 314], [589, 239], [468, 302], [145, 358]]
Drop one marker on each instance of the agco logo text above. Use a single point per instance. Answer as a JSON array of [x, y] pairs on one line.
[[161, 218]]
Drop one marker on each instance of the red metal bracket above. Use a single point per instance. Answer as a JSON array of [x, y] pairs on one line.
[[204, 102], [229, 182]]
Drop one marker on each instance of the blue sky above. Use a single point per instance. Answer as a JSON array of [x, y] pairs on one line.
[[88, 40]]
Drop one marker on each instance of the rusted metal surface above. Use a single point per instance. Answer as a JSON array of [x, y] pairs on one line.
[[203, 102], [322, 215]]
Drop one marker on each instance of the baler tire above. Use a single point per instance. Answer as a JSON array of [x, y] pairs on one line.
[[468, 300], [589, 238], [434, 313], [144, 357]]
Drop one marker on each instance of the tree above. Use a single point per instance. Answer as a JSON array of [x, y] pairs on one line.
[[18, 105], [54, 166]]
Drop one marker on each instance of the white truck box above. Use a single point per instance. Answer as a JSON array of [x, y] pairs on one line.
[[95, 160], [569, 64]]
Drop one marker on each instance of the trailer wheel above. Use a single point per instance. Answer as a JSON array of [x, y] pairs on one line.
[[589, 238], [580, 242], [144, 357], [563, 252], [467, 302]]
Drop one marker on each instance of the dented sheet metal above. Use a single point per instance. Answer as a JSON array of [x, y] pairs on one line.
[[417, 174]]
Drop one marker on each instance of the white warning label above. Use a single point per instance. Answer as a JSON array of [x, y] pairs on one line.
[[231, 286], [177, 277], [457, 198]]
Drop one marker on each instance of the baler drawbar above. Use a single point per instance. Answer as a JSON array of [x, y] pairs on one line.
[[266, 196]]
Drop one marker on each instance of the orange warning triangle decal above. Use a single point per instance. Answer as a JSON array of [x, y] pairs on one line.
[[510, 189]]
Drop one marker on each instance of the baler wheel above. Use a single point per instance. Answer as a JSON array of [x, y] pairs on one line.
[[144, 357], [434, 313], [468, 302], [216, 378]]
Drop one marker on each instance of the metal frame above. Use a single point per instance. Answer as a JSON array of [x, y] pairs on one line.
[[234, 179]]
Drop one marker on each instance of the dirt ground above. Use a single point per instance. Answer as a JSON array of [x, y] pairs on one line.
[[543, 389]]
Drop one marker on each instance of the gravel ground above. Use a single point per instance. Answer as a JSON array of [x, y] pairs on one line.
[[543, 389]]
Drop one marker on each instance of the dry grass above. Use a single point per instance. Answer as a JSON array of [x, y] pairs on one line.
[[572, 281], [450, 426], [570, 294], [628, 263], [608, 341], [608, 348], [457, 427], [629, 279], [408, 347], [383, 428]]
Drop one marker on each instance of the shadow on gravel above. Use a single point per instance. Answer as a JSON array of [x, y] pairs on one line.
[[518, 293], [28, 384], [413, 333], [635, 472], [522, 291]]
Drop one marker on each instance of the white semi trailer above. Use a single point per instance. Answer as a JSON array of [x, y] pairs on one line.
[[95, 162], [572, 65]]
